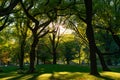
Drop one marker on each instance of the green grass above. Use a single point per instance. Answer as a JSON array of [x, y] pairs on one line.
[[59, 72]]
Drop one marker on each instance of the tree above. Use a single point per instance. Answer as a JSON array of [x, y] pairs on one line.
[[71, 49], [55, 37], [104, 66], [43, 51], [39, 29], [90, 37], [107, 19], [22, 30]]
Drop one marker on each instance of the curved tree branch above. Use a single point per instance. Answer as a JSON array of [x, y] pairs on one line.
[[6, 11], [27, 13]]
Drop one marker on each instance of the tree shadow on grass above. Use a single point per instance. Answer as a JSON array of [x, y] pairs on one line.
[[26, 76], [56, 76], [5, 75]]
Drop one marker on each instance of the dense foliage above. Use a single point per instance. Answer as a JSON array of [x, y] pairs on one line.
[[60, 32]]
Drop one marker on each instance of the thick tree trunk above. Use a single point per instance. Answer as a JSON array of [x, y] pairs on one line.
[[54, 58], [93, 63], [90, 37], [54, 48], [32, 55]]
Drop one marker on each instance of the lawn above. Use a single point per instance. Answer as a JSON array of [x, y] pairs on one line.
[[59, 72]]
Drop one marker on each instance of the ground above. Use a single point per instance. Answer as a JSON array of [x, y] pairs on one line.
[[58, 72]]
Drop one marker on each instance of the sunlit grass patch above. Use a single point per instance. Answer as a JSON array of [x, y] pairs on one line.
[[68, 76], [112, 75], [26, 77], [46, 76], [79, 76]]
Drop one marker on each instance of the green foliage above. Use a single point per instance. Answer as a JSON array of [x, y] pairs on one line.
[[107, 14], [43, 51]]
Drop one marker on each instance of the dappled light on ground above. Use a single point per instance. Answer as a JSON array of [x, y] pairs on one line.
[[15, 76], [44, 76], [112, 75], [7, 76], [68, 76], [60, 76]]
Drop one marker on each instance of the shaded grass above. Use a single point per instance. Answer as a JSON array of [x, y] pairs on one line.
[[62, 68], [59, 72]]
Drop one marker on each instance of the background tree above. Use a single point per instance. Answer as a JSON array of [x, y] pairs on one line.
[[39, 29], [43, 51], [71, 49], [22, 30]]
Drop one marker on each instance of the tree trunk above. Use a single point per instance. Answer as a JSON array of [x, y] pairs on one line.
[[102, 61], [68, 61], [37, 59], [54, 48], [54, 58], [22, 54], [32, 55], [90, 37]]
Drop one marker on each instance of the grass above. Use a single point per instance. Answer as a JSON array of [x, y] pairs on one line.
[[59, 72]]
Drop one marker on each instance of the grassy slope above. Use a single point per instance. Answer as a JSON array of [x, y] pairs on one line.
[[59, 72]]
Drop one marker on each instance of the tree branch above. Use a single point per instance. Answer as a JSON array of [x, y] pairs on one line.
[[7, 11], [27, 13], [3, 26], [43, 34]]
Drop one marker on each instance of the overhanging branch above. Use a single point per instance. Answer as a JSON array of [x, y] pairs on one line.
[[7, 11]]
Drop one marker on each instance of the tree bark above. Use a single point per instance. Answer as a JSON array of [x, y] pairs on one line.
[[54, 48], [32, 55], [22, 54], [102, 61], [90, 37], [8, 10], [54, 58]]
